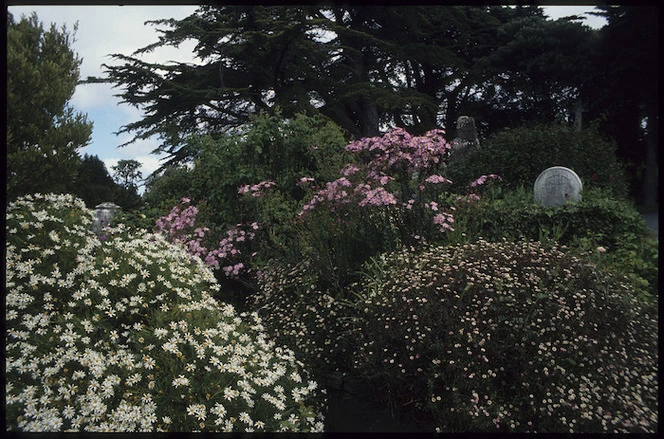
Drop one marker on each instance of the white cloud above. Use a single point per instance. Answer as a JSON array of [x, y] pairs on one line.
[[150, 164], [556, 12], [138, 148], [105, 30], [88, 97]]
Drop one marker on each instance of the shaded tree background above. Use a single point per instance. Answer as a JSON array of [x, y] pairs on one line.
[[627, 91], [93, 184], [367, 68], [127, 176], [126, 173], [44, 132]]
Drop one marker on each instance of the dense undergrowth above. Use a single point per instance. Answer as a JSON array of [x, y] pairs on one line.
[[465, 301], [510, 337]]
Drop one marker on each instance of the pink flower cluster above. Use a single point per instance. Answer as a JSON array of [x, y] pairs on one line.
[[375, 197], [435, 179], [480, 181], [398, 148], [256, 190], [179, 226], [334, 192], [395, 157], [445, 221], [472, 197], [228, 251], [304, 181]]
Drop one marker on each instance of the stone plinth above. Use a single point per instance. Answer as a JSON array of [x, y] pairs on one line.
[[104, 212]]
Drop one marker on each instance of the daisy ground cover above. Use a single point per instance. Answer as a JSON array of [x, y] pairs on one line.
[[509, 337], [123, 334]]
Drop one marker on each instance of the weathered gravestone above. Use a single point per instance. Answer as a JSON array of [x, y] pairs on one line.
[[104, 212], [556, 186], [466, 138]]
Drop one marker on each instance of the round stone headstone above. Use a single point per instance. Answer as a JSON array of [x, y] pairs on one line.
[[556, 186]]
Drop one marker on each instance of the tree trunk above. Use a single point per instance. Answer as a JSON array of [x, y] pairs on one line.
[[578, 114], [650, 188], [369, 118]]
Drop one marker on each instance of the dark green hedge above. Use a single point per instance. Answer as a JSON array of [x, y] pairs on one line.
[[519, 155]]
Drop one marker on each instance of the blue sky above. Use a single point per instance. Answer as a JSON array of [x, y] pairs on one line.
[[104, 30]]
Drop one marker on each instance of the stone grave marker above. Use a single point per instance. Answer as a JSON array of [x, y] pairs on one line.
[[466, 138], [104, 212], [556, 186]]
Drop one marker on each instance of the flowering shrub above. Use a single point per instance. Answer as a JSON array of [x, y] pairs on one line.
[[392, 194], [256, 190], [180, 226], [509, 337], [314, 324], [396, 170], [124, 335]]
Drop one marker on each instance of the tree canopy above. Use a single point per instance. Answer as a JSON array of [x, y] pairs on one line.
[[368, 68], [627, 97], [363, 67], [127, 173], [43, 130]]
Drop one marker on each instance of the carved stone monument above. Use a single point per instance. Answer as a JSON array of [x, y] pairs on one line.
[[104, 212], [466, 138], [556, 186]]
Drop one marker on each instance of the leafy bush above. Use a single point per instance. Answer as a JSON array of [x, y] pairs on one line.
[[514, 214], [165, 188], [313, 322], [599, 220], [122, 334], [509, 337], [636, 259], [249, 178], [519, 155], [143, 218], [268, 148], [390, 195]]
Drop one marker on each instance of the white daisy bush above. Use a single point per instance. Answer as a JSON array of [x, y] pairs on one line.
[[509, 337], [121, 333]]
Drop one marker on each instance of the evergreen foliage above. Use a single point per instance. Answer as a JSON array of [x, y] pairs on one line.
[[362, 67], [43, 130], [520, 154], [368, 68], [93, 184]]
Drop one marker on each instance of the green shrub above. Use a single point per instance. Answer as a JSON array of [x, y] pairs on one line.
[[121, 333], [143, 218], [599, 220], [509, 337], [165, 189], [519, 155], [269, 148], [337, 244], [516, 215], [636, 259], [313, 322]]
